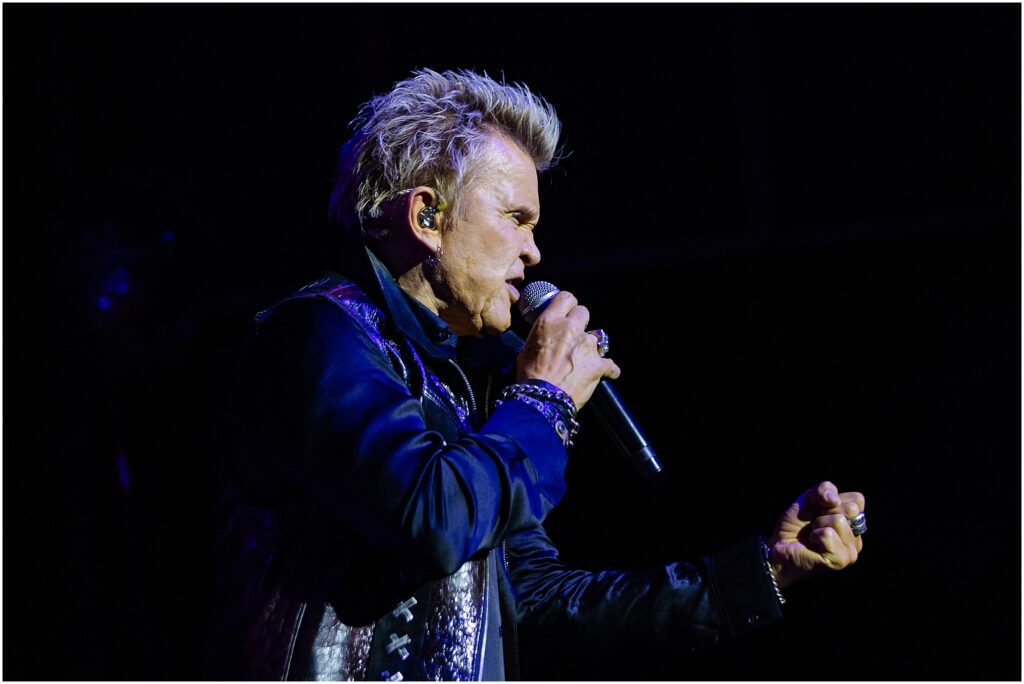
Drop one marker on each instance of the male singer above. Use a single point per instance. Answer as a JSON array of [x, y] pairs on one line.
[[398, 448]]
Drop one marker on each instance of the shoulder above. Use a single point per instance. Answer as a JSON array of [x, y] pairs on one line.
[[329, 319], [318, 298], [330, 307], [326, 328]]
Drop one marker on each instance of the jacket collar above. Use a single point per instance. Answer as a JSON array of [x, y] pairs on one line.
[[429, 331]]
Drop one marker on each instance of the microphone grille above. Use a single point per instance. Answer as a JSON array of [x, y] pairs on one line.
[[534, 297]]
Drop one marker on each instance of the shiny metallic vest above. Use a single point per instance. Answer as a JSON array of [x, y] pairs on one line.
[[438, 634]]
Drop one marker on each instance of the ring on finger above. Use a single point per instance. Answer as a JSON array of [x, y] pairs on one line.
[[858, 524], [602, 340]]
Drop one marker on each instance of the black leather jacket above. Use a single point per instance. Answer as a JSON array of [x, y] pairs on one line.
[[374, 481]]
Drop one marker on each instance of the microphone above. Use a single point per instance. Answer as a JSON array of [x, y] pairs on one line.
[[533, 299]]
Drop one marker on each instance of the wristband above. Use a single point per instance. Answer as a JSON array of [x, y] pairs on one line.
[[555, 405]]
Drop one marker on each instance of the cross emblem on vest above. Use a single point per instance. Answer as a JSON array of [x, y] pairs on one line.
[[399, 644], [403, 609]]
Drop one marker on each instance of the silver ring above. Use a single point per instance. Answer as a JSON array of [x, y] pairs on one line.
[[858, 524], [602, 340]]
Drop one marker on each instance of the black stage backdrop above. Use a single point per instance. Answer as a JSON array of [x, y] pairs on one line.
[[799, 223]]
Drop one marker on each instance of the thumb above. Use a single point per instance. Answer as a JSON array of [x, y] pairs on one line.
[[825, 495]]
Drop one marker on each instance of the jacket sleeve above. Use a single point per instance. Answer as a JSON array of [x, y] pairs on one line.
[[677, 608], [325, 413]]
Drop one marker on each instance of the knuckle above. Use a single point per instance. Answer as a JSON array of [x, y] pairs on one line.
[[827, 521]]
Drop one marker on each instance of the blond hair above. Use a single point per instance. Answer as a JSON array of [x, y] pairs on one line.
[[431, 129]]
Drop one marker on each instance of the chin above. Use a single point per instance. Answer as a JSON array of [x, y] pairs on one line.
[[496, 325]]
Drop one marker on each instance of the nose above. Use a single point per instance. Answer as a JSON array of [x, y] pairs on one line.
[[530, 253]]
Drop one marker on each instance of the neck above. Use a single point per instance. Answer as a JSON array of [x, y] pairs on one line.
[[415, 283]]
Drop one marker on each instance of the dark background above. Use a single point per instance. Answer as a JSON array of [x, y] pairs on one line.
[[799, 223]]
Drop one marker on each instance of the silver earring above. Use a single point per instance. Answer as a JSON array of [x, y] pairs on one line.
[[435, 258]]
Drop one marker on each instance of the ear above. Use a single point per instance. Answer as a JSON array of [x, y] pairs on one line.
[[423, 218]]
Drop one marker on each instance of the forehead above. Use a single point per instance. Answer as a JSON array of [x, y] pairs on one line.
[[509, 173]]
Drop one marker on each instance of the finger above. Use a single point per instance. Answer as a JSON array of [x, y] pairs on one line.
[[838, 522], [841, 526], [853, 504], [580, 316], [849, 508], [559, 306], [826, 542], [827, 495], [821, 498], [835, 554], [612, 370], [855, 497], [584, 350]]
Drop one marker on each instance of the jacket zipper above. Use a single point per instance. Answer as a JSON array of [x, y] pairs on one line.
[[291, 643], [487, 396], [469, 389], [513, 634], [483, 627]]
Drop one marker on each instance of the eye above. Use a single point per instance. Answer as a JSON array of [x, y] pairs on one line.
[[522, 218]]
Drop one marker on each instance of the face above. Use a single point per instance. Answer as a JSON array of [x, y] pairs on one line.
[[488, 246]]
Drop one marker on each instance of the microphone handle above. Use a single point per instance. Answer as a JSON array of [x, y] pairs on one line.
[[623, 429]]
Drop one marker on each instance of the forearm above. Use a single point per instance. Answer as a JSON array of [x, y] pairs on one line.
[[675, 608]]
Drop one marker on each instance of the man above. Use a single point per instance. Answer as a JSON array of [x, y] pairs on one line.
[[398, 448]]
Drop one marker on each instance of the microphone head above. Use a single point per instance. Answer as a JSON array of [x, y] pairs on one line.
[[534, 297]]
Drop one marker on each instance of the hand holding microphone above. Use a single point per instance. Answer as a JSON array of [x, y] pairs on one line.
[[558, 348], [560, 351]]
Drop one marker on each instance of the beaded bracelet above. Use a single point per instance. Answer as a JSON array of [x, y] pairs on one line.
[[765, 552], [555, 405]]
